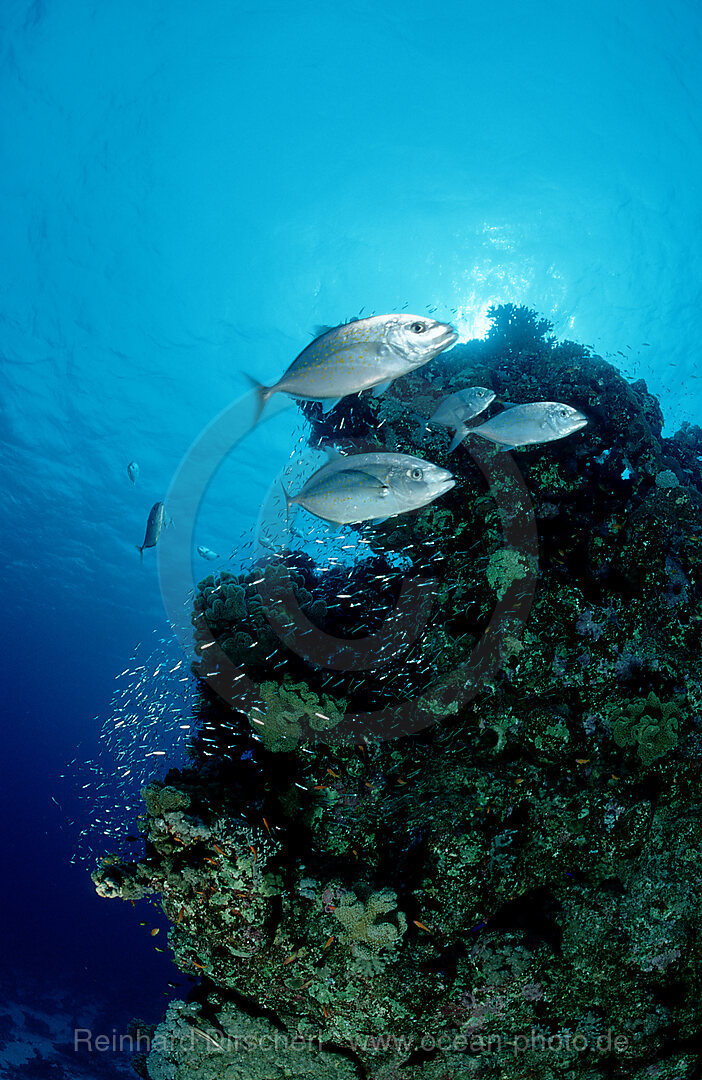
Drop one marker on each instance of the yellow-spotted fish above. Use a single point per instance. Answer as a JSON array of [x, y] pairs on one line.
[[371, 487], [360, 355]]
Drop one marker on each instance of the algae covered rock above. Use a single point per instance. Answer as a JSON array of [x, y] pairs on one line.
[[186, 1046]]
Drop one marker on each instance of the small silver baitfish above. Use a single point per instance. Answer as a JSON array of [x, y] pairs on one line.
[[207, 553], [359, 355], [371, 487], [536, 422], [154, 527], [456, 410], [133, 471]]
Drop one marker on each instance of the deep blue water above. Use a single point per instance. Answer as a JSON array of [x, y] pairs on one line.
[[186, 191]]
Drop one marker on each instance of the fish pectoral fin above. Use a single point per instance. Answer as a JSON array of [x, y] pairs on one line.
[[368, 473], [381, 388], [458, 438], [328, 404], [332, 454]]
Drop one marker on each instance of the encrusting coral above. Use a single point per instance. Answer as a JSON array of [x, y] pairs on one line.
[[528, 864]]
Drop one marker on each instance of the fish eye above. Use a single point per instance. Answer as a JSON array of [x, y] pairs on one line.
[[418, 327], [416, 474], [563, 412]]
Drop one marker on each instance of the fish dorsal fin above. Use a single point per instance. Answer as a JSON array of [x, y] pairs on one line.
[[322, 328]]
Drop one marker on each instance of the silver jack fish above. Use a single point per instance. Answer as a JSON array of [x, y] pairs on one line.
[[133, 471], [371, 487], [456, 410], [360, 355], [207, 553], [537, 422], [154, 527]]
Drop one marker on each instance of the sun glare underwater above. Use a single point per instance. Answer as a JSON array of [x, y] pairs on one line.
[[352, 491]]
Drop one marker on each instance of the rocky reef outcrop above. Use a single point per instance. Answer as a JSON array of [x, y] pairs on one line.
[[506, 880]]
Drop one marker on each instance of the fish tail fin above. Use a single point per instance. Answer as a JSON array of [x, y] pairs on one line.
[[140, 549], [262, 394]]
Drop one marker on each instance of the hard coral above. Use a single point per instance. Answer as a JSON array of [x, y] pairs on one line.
[[651, 725], [289, 710]]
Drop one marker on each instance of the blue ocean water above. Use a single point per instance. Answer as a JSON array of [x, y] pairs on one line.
[[186, 192]]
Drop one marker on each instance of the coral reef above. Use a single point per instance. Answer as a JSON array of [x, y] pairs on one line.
[[515, 889]]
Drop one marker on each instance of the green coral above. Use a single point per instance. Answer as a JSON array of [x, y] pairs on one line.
[[504, 568], [289, 710], [161, 799], [649, 724], [371, 921]]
